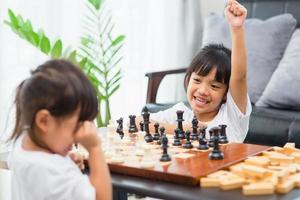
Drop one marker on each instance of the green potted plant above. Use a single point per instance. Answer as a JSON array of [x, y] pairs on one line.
[[98, 53]]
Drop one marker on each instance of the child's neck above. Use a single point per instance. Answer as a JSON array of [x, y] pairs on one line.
[[29, 145]]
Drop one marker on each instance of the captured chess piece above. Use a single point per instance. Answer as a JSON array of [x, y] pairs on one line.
[[165, 156], [216, 153], [120, 127], [132, 125], [194, 135], [156, 133], [176, 141], [188, 144], [202, 139], [162, 133], [146, 116], [179, 123], [223, 136]]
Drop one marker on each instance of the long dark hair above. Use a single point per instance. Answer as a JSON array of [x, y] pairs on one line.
[[211, 56], [58, 86]]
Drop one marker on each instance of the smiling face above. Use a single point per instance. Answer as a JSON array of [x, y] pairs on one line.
[[205, 95]]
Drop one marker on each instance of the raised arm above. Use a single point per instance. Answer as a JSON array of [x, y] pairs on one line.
[[236, 14]]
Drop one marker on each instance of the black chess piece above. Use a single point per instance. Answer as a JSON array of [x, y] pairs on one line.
[[202, 139], [141, 126], [188, 144], [146, 115], [176, 141], [194, 135], [213, 132], [120, 127], [165, 156], [162, 133], [223, 136], [211, 138], [179, 123], [156, 134], [132, 125], [216, 153]]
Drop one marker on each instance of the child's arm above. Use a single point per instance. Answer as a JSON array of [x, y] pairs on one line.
[[236, 14], [99, 173]]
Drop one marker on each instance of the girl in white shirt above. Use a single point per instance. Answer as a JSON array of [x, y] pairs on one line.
[[54, 109], [216, 84]]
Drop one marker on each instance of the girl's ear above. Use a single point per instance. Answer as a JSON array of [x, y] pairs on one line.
[[43, 119]]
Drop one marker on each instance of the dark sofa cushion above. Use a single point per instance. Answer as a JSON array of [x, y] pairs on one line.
[[270, 126]]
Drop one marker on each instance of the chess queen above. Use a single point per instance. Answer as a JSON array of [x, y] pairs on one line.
[[216, 84]]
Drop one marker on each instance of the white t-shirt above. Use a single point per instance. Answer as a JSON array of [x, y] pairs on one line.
[[229, 114], [43, 176]]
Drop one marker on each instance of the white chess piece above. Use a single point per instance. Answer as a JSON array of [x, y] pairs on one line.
[[147, 161]]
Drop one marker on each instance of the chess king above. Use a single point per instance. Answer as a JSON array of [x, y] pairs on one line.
[[216, 85]]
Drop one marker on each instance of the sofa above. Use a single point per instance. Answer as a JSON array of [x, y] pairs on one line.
[[274, 123]]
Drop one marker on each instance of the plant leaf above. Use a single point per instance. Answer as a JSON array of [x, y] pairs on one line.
[[45, 45], [95, 3], [72, 56], [57, 49], [119, 39], [13, 19], [113, 90]]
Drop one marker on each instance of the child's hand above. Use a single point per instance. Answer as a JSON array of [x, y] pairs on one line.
[[87, 135], [235, 13], [77, 158]]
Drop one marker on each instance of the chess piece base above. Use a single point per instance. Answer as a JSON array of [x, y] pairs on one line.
[[216, 155]]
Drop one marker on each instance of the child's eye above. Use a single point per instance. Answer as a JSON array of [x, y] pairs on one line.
[[197, 80], [215, 86]]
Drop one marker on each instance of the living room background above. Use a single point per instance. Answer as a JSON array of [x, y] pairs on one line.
[[159, 35]]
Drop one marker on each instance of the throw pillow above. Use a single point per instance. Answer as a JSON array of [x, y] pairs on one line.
[[266, 41], [283, 90]]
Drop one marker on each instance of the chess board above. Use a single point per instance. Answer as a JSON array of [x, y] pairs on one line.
[[187, 166]]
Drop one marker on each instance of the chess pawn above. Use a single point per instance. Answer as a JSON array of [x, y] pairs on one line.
[[194, 135], [162, 133], [165, 156], [141, 126], [176, 141], [211, 138], [132, 125], [188, 144], [140, 144], [156, 134], [223, 136], [147, 161]]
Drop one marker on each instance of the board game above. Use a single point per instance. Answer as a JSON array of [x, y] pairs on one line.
[[181, 158]]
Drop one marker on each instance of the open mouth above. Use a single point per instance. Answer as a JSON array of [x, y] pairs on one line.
[[200, 100]]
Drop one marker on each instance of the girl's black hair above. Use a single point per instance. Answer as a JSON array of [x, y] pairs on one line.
[[211, 56], [58, 86]]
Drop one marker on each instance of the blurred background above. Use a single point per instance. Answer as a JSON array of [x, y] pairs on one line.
[[159, 35]]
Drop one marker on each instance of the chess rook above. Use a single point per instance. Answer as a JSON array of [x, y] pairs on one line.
[[132, 125], [146, 116], [179, 123]]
